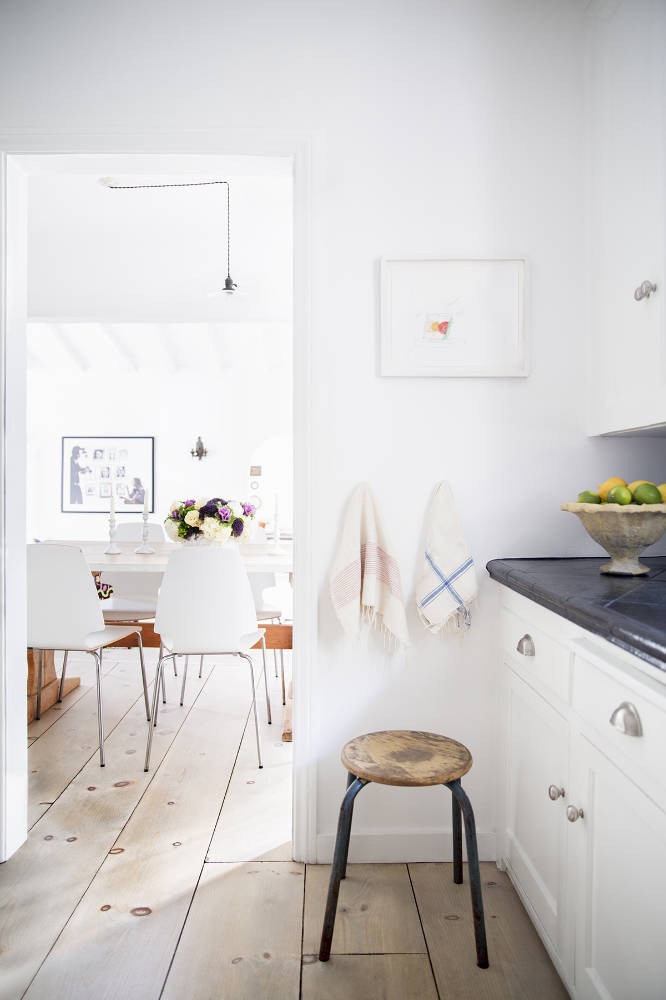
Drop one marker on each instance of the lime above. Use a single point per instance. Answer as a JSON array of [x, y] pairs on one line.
[[587, 496], [647, 493], [619, 494], [609, 484]]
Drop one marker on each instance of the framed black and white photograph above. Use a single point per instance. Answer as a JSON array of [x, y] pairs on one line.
[[96, 468]]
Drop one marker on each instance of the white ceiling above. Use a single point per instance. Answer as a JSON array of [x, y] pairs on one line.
[[158, 256], [105, 348]]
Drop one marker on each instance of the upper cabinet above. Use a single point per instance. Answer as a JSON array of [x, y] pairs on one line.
[[626, 198]]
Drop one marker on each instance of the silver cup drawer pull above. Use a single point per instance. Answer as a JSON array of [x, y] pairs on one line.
[[526, 645], [573, 813], [627, 720], [555, 792]]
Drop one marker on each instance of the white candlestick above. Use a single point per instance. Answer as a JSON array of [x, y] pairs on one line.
[[112, 505], [145, 503], [112, 548], [144, 549]]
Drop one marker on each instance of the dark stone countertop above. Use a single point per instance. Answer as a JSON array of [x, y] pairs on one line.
[[629, 611]]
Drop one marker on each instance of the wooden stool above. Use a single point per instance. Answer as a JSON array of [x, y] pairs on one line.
[[407, 758]]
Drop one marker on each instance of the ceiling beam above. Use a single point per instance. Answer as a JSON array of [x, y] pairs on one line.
[[71, 349], [119, 345]]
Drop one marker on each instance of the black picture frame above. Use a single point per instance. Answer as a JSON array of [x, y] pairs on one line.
[[110, 463]]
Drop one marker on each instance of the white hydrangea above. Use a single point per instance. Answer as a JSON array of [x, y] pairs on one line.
[[200, 503], [171, 529], [192, 518], [215, 530], [223, 532]]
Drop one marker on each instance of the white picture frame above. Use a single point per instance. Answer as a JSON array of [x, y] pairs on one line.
[[453, 317]]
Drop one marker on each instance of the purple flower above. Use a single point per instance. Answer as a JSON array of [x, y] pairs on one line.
[[217, 500], [237, 527], [188, 503], [208, 510], [224, 514], [248, 509], [174, 514]]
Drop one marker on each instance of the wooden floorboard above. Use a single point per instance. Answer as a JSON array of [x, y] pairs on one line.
[[520, 968], [123, 934], [369, 977], [243, 934], [79, 665], [60, 753], [255, 824], [376, 911], [42, 883], [245, 923]]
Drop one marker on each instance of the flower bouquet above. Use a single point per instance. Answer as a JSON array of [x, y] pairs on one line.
[[213, 520]]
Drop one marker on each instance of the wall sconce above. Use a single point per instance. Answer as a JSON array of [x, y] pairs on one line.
[[198, 451]]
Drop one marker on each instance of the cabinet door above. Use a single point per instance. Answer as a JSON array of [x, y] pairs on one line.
[[626, 200], [536, 827], [619, 847]]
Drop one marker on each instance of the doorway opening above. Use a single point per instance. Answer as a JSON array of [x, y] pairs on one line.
[[144, 368]]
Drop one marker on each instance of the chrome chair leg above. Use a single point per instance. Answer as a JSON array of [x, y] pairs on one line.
[[100, 710], [156, 698], [268, 697], [143, 676], [62, 675], [201, 666], [254, 706], [182, 689], [164, 685], [40, 667]]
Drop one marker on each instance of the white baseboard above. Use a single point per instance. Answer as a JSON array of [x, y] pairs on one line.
[[401, 845]]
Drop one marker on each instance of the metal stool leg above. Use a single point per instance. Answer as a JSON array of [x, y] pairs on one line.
[[457, 841], [339, 861], [459, 793], [62, 675], [351, 778]]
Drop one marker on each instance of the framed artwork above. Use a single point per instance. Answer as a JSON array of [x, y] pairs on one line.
[[95, 468], [453, 318]]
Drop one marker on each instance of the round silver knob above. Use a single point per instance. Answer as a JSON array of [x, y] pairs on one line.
[[526, 645], [573, 814], [555, 793]]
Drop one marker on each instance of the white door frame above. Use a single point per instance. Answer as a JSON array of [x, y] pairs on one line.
[[13, 318]]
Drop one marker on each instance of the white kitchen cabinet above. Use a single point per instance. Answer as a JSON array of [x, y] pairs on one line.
[[590, 865], [537, 760], [619, 891], [627, 217]]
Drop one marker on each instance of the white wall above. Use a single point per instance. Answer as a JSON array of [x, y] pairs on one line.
[[242, 413], [439, 127]]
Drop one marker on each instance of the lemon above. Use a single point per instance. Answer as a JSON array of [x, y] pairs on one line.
[[619, 494], [647, 493], [662, 490], [639, 482], [609, 484], [587, 496]]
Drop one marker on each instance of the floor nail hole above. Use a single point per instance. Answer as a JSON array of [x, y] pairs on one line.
[[141, 911], [177, 843], [70, 840], [235, 961], [49, 836], [267, 954], [250, 782], [122, 784], [117, 850], [452, 916], [91, 788], [105, 907], [171, 803]]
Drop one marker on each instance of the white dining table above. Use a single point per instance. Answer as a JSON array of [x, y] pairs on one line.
[[257, 557]]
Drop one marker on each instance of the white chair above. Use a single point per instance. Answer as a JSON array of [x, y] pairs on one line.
[[205, 607], [260, 582], [134, 594], [65, 613]]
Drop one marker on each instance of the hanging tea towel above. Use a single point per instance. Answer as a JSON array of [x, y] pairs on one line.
[[448, 585], [365, 578]]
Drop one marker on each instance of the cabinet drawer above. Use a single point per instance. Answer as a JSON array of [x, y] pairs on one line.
[[596, 696], [548, 667]]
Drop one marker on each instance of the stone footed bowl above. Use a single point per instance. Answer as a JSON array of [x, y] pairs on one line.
[[623, 531]]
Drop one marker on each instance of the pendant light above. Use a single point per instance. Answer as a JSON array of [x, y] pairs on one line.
[[229, 283]]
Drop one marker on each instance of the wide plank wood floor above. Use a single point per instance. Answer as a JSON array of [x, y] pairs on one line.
[[178, 884]]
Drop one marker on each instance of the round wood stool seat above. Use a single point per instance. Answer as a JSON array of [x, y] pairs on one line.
[[406, 757]]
